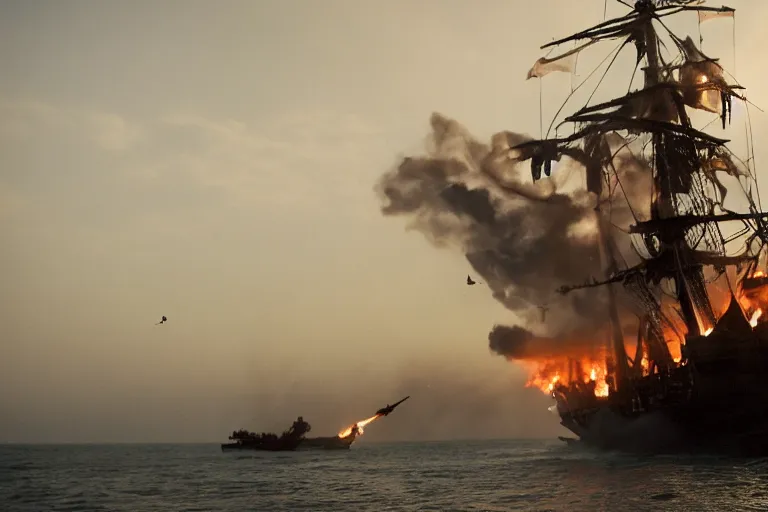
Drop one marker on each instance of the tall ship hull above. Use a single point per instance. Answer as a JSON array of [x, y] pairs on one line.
[[670, 431], [712, 404]]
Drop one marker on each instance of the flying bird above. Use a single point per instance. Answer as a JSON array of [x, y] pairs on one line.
[[162, 321], [471, 281]]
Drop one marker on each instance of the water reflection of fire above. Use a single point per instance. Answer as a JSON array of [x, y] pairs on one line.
[[360, 424]]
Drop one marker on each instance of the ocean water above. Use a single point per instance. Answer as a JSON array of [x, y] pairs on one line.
[[444, 476]]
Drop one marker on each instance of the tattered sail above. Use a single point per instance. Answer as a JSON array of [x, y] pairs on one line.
[[710, 15], [565, 62]]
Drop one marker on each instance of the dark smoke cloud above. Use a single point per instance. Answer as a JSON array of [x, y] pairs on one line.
[[524, 239], [519, 343]]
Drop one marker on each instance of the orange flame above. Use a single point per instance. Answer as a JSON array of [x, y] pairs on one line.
[[752, 301], [547, 374], [360, 424]]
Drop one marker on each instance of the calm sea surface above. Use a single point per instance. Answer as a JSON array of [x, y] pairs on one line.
[[472, 476]]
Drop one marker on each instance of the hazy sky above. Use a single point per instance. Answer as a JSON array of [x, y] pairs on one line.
[[215, 163]]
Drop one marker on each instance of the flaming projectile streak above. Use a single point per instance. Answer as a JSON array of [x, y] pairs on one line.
[[384, 411], [360, 424]]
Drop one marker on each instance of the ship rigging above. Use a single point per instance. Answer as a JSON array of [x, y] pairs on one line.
[[680, 243]]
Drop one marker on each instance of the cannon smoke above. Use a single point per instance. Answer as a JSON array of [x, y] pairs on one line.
[[525, 239]]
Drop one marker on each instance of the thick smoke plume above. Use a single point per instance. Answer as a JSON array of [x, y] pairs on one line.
[[518, 343], [525, 239]]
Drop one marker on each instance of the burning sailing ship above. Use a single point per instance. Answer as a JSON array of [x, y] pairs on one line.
[[710, 395], [683, 363]]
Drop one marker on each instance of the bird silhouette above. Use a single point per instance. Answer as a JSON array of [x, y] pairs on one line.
[[162, 321], [470, 281]]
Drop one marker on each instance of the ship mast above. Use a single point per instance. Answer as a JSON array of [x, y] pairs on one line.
[[664, 205]]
